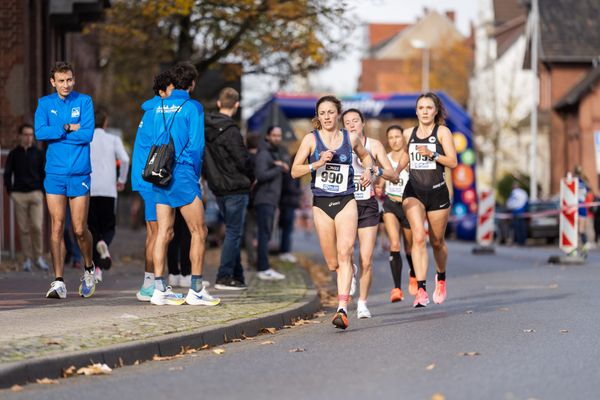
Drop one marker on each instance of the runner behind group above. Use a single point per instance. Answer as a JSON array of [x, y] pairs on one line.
[[426, 196], [366, 203], [393, 216], [328, 150]]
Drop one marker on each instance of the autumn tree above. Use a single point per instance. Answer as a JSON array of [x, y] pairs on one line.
[[276, 37]]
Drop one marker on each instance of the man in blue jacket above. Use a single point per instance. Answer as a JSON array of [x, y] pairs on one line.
[[65, 121], [141, 147], [181, 118]]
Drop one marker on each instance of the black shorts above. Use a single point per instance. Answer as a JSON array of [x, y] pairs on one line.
[[395, 207], [332, 205], [432, 199], [368, 213]]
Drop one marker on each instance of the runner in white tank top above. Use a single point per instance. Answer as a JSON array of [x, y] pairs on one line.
[[368, 208]]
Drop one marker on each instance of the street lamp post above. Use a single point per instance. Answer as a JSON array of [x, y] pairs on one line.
[[420, 44], [533, 192]]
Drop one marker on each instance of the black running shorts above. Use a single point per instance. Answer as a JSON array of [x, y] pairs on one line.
[[432, 199], [395, 207], [368, 213]]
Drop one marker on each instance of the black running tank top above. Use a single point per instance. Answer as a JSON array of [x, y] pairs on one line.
[[425, 172]]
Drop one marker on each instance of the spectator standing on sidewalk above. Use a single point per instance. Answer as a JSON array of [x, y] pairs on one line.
[[269, 170], [291, 193], [23, 180], [517, 204], [105, 151], [229, 173], [250, 229]]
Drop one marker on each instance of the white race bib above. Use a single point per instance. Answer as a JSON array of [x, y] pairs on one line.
[[397, 189], [332, 178], [418, 161], [361, 192]]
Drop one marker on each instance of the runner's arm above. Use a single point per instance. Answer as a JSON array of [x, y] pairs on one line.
[[299, 168], [388, 171], [449, 158], [365, 159]]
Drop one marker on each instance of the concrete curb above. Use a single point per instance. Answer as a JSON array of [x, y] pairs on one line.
[[26, 371]]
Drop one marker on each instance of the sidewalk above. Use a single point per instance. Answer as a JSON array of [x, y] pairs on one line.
[[40, 336]]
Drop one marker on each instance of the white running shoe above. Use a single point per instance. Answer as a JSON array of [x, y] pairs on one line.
[[168, 297], [105, 260], [98, 273], [57, 290], [288, 257], [175, 280], [362, 311], [353, 283], [88, 284], [270, 275], [201, 298], [41, 264], [27, 265]]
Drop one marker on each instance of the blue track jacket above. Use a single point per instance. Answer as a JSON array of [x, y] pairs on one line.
[[187, 129], [141, 147], [67, 154]]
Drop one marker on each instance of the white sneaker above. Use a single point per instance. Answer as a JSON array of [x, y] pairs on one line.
[[288, 257], [353, 283], [168, 297], [57, 290], [362, 311], [270, 275], [98, 273], [105, 260], [175, 280], [201, 298], [41, 264], [27, 265]]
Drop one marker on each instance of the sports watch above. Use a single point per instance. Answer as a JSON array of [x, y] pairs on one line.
[[436, 155], [67, 128]]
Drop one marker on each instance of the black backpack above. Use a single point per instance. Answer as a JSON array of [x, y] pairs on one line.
[[158, 169]]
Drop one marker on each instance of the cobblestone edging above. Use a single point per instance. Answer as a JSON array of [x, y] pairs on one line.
[[264, 304]]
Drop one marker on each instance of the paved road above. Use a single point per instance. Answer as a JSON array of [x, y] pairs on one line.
[[532, 329]]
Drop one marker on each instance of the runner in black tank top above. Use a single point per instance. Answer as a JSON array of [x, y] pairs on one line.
[[336, 230], [426, 197]]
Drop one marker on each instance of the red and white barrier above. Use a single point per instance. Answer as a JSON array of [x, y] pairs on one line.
[[569, 217], [485, 217]]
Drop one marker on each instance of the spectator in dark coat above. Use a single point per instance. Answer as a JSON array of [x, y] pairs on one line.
[[291, 193]]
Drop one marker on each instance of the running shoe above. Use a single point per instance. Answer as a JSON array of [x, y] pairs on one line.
[[105, 261], [421, 299], [57, 290], [88, 284], [362, 311], [396, 295], [353, 283], [41, 264], [288, 257], [168, 297], [340, 319], [145, 293], [229, 284], [201, 298], [98, 273], [27, 265], [440, 291], [270, 275], [413, 286]]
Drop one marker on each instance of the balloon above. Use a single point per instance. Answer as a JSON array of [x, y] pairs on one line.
[[463, 177], [468, 157], [460, 142]]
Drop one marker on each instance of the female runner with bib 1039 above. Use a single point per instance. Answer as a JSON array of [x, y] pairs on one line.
[[329, 152], [366, 204], [430, 151]]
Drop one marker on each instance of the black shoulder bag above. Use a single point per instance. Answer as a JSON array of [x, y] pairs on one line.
[[158, 169]]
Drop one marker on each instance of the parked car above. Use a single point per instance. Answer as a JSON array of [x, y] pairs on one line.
[[544, 226]]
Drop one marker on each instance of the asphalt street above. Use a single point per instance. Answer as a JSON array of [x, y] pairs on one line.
[[513, 327]]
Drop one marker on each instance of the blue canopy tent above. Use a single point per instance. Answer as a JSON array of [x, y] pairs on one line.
[[281, 107]]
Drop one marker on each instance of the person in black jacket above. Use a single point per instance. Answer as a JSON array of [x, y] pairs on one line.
[[291, 193], [229, 173], [23, 179]]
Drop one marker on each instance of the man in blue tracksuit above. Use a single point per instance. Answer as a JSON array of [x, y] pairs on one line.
[[65, 121], [181, 118], [141, 147]]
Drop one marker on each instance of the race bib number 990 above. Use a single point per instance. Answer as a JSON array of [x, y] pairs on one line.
[[418, 161], [332, 178]]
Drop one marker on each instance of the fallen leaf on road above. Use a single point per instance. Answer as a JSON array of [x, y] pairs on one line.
[[553, 286], [175, 368], [137, 362], [156, 357], [50, 342], [469, 354], [564, 331], [248, 337], [121, 363], [236, 340], [287, 326], [503, 309], [438, 396], [69, 372], [204, 347], [469, 312], [187, 350], [528, 330], [94, 369], [268, 342], [320, 314], [16, 388], [297, 350], [47, 381], [268, 330], [430, 367], [218, 351]]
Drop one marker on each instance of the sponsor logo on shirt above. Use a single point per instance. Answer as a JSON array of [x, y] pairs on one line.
[[75, 112], [343, 158], [54, 112], [432, 139]]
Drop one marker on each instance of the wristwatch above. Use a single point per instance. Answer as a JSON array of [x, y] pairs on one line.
[[67, 128], [436, 155]]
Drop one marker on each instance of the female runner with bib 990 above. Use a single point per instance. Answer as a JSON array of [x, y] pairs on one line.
[[430, 150], [329, 152]]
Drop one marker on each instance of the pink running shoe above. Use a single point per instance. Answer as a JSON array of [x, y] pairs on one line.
[[440, 291], [421, 299]]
